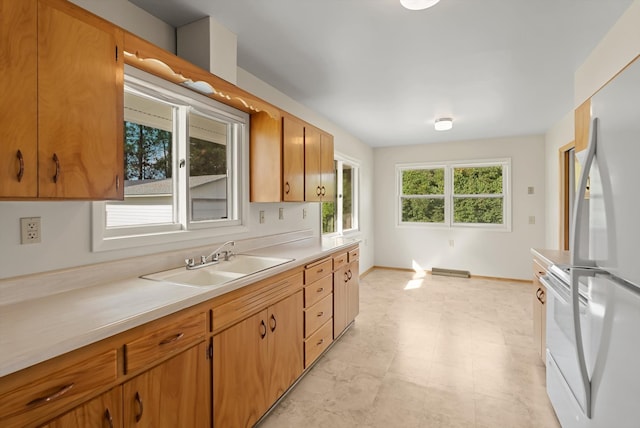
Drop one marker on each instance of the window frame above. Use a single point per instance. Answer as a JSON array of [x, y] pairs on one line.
[[449, 195], [183, 228], [339, 161]]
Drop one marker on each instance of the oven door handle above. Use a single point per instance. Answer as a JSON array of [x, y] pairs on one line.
[[557, 293], [579, 348]]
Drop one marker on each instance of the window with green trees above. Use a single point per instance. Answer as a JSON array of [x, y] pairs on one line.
[[473, 194], [341, 214]]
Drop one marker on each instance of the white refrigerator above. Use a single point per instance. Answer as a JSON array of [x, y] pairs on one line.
[[593, 309]]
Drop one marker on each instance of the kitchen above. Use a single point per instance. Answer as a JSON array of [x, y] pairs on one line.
[[71, 222]]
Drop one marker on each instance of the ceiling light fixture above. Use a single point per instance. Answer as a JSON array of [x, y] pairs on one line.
[[443, 124], [418, 4]]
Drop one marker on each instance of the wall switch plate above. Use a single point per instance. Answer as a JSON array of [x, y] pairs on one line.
[[281, 213], [30, 230], [530, 190], [304, 213], [451, 243], [261, 217], [532, 219]]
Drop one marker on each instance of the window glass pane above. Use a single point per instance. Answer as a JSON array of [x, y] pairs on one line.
[[347, 197], [148, 166], [207, 168], [423, 182], [328, 217], [478, 210], [424, 210], [477, 180]]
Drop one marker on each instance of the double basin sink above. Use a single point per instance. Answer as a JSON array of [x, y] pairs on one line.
[[238, 266]]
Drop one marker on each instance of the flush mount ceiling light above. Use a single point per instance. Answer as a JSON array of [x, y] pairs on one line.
[[418, 4], [443, 124]]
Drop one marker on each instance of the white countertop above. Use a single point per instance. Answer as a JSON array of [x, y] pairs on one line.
[[35, 330]]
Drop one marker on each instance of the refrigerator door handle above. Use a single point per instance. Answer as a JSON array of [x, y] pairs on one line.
[[576, 259], [582, 364]]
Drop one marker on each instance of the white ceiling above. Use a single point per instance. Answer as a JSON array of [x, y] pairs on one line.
[[383, 73]]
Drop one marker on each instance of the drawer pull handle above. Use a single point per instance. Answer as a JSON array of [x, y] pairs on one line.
[[350, 274], [320, 290], [108, 418], [172, 339], [273, 323], [54, 396], [288, 188], [140, 407], [57, 174], [21, 170], [346, 277], [318, 191], [320, 270], [321, 313], [263, 329], [320, 342]]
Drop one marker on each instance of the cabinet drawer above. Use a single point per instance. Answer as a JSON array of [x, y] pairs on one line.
[[339, 260], [169, 338], [316, 271], [354, 254], [538, 269], [48, 392], [317, 315], [317, 291], [317, 343]]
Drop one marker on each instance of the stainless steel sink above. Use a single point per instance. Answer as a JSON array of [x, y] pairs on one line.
[[238, 266]]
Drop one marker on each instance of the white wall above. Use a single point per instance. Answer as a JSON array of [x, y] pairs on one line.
[[483, 252], [560, 134], [66, 226], [617, 49]]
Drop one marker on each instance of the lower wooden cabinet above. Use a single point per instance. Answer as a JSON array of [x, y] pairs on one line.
[[346, 292], [255, 361], [172, 394], [104, 411], [539, 295]]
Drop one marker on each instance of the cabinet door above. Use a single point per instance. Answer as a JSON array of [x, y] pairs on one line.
[[312, 165], [104, 411], [327, 167], [80, 104], [285, 345], [353, 291], [239, 373], [340, 281], [18, 99], [265, 158], [292, 160], [173, 394]]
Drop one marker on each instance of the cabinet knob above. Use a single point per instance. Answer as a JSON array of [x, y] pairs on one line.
[[140, 407], [108, 418], [57, 162], [21, 161], [59, 393]]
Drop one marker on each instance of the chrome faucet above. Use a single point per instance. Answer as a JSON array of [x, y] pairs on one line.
[[215, 254], [212, 258]]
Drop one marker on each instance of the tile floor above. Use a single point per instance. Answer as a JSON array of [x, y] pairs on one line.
[[427, 352]]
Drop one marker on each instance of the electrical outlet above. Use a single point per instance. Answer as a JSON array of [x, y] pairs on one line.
[[30, 230], [530, 190], [281, 213], [532, 219], [451, 243], [261, 217]]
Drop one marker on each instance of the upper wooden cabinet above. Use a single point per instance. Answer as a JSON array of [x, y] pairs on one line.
[[74, 105], [18, 98], [293, 146], [319, 166], [582, 124], [290, 160]]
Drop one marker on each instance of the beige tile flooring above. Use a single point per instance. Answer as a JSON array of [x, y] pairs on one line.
[[427, 352]]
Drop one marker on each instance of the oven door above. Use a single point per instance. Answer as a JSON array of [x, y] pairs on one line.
[[564, 381]]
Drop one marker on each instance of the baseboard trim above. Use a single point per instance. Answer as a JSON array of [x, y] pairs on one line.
[[496, 278]]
